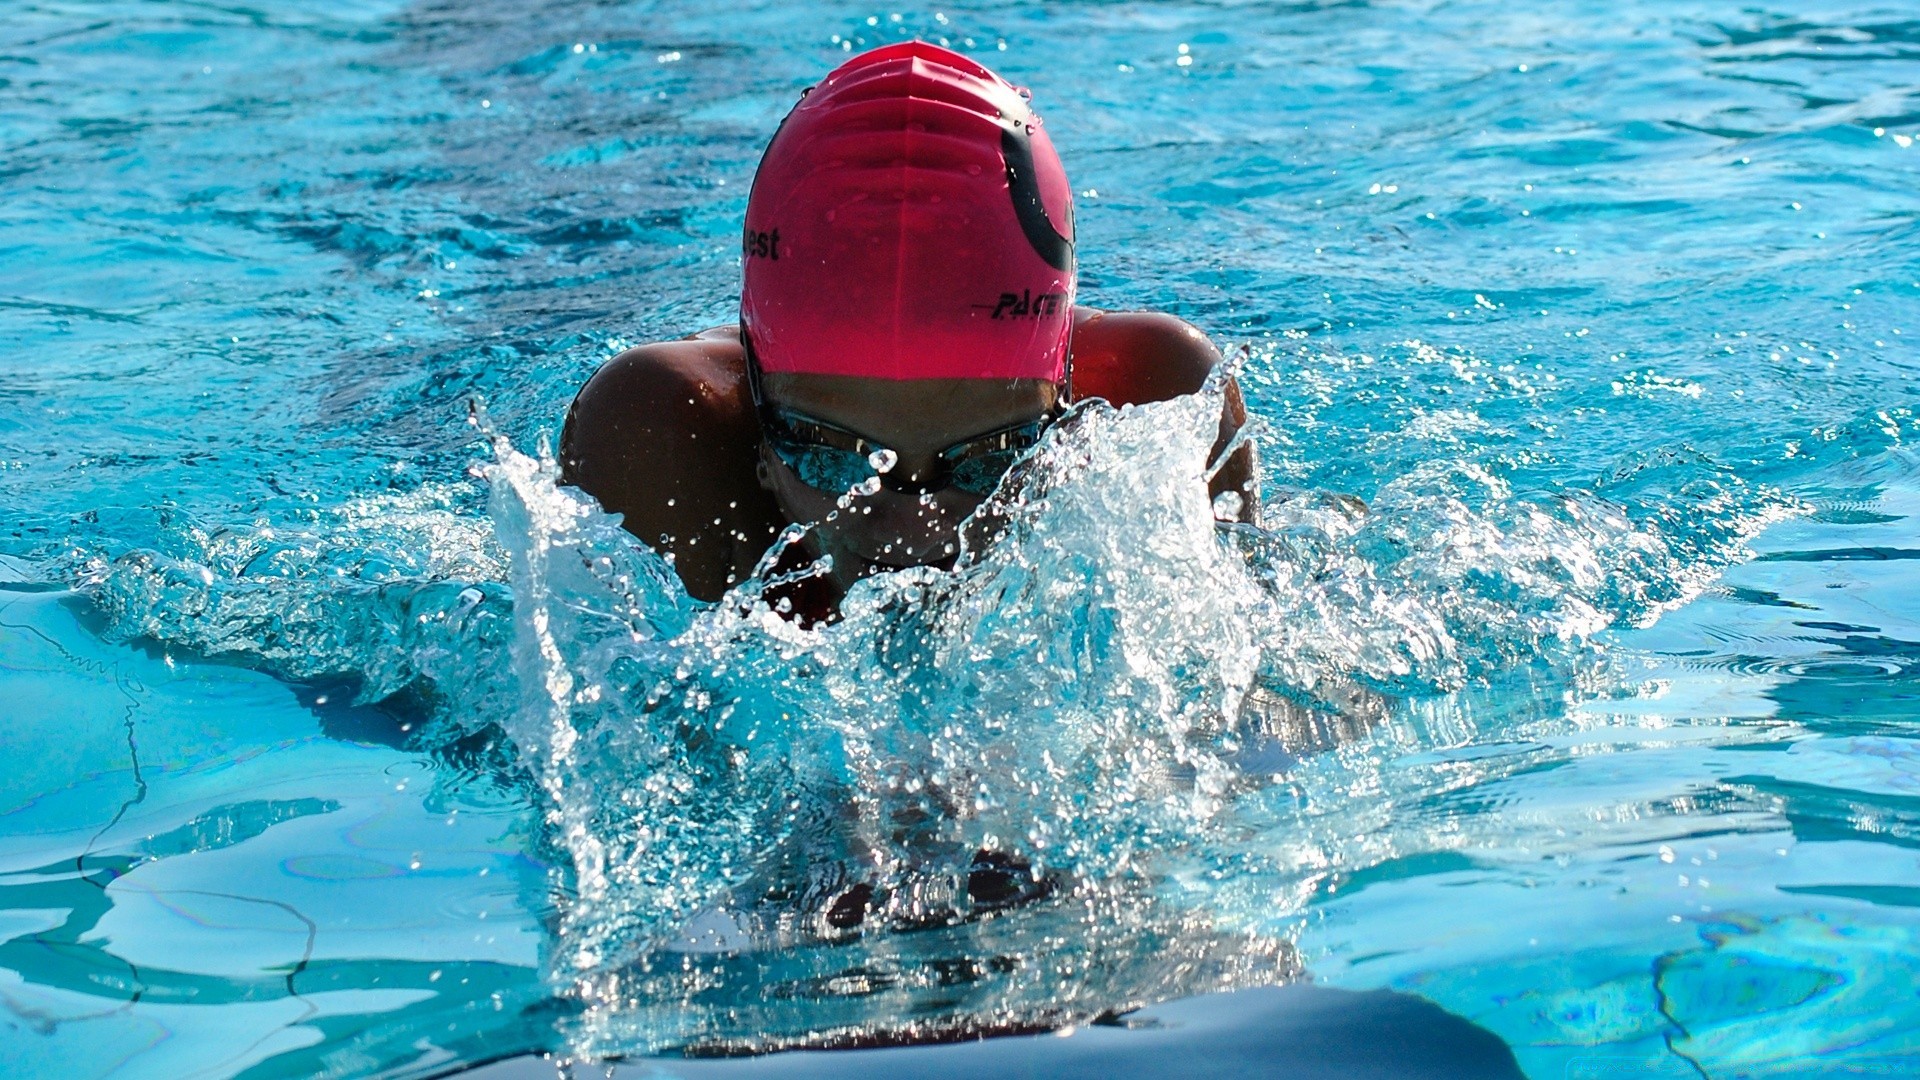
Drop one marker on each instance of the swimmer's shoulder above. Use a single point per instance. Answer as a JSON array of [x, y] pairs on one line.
[[664, 434], [1133, 357], [660, 390], [708, 368]]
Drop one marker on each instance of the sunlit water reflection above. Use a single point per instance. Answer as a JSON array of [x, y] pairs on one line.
[[342, 741]]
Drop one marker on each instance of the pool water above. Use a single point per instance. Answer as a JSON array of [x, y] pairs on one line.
[[341, 742]]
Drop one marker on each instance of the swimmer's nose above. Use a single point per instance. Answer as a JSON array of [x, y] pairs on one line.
[[905, 529]]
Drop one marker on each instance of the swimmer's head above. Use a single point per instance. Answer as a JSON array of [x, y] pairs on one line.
[[908, 301], [910, 220]]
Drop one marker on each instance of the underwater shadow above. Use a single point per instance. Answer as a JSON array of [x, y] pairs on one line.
[[1296, 1032]]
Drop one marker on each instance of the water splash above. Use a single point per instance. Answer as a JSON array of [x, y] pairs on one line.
[[391, 592], [1105, 695], [772, 833]]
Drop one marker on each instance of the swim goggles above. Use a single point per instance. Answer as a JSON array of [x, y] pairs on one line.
[[833, 459]]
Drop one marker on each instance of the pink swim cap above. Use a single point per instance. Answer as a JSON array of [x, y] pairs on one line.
[[910, 220]]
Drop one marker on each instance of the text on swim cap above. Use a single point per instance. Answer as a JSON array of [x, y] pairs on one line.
[[765, 245], [1025, 305]]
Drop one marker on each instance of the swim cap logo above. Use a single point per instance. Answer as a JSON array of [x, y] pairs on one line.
[[1025, 305], [1023, 183], [761, 245]]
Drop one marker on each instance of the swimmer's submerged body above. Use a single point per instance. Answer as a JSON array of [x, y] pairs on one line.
[[907, 331]]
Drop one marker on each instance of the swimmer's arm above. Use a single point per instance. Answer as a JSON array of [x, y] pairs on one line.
[[1133, 357], [664, 435]]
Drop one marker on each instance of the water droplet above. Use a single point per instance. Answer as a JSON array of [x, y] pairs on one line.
[[883, 460]]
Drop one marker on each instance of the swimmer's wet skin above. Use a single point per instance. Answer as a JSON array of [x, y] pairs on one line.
[[907, 329]]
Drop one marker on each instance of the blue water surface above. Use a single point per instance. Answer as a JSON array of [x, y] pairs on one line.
[[340, 741]]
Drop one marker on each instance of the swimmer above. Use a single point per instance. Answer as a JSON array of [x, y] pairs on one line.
[[907, 315]]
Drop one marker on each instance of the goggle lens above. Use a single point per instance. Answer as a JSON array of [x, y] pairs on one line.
[[826, 468], [980, 474], [976, 466]]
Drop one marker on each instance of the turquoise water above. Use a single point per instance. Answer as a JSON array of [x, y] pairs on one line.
[[342, 742]]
